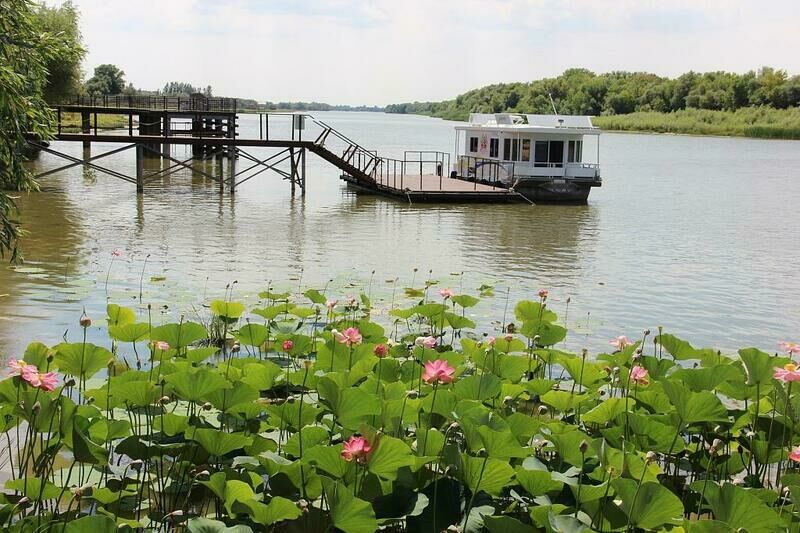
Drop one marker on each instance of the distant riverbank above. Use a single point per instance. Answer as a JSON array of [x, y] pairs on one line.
[[757, 122]]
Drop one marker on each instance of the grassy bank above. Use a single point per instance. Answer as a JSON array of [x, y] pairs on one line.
[[71, 122], [760, 122]]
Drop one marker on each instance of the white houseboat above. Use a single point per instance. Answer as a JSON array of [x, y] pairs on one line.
[[541, 157]]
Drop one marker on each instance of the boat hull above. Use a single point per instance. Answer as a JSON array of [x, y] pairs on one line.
[[552, 192]]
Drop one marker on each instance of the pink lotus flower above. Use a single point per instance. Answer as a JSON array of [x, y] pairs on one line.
[[620, 343], [446, 293], [490, 341], [48, 381], [509, 337], [116, 252], [639, 376], [20, 368], [350, 337], [161, 345], [788, 373], [356, 448], [794, 455], [543, 293], [791, 348], [380, 351], [426, 342], [330, 304], [438, 370], [288, 345]]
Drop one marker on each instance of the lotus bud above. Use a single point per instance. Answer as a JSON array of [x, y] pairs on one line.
[[508, 399], [740, 449], [110, 364], [303, 506], [50, 358], [70, 382], [542, 409], [584, 352], [163, 400], [453, 426], [24, 501], [36, 408], [646, 332], [235, 348], [583, 446], [612, 472], [650, 457], [715, 446], [308, 364], [412, 394], [85, 321], [508, 338], [207, 406], [136, 464]]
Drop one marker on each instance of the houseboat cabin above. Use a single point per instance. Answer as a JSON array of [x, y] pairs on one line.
[[542, 157]]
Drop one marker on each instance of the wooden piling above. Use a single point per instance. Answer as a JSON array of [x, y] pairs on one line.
[[139, 168]]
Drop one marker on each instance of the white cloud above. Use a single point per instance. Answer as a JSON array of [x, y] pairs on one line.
[[343, 51]]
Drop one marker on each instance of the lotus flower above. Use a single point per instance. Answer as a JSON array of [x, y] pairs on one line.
[[794, 455], [427, 342], [48, 381], [543, 293], [330, 304], [161, 345], [446, 293], [356, 449], [350, 337], [621, 342], [791, 348], [288, 345], [788, 373], [20, 368], [490, 341], [438, 371], [639, 375], [380, 351]]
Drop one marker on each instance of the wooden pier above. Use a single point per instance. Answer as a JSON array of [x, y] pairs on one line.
[[209, 127]]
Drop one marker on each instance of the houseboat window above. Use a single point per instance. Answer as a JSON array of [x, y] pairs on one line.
[[494, 147], [526, 150], [556, 153], [511, 150], [540, 154], [473, 144], [574, 151]]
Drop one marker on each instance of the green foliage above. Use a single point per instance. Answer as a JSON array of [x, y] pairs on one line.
[[107, 79], [64, 66], [581, 92], [524, 438]]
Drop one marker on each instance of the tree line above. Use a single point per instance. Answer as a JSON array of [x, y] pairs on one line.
[[581, 92]]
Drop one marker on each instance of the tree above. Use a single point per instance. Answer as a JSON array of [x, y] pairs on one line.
[[107, 79], [63, 69], [25, 51]]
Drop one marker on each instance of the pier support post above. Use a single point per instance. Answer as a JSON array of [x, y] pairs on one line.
[[232, 168], [218, 160], [165, 148], [139, 169], [86, 126], [293, 172], [303, 171]]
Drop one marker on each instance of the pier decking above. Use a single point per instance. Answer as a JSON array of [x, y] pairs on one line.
[[209, 127]]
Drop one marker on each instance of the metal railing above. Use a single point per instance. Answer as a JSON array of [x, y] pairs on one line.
[[482, 170], [156, 103]]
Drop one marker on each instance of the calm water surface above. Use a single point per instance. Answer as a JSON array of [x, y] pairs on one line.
[[697, 234]]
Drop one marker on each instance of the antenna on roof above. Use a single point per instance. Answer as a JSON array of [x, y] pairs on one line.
[[552, 103]]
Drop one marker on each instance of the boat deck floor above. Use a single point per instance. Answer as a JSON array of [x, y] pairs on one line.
[[430, 187]]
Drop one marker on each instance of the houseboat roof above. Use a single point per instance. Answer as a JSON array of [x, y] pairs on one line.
[[571, 124]]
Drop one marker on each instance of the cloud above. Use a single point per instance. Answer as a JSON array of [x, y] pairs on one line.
[[345, 51]]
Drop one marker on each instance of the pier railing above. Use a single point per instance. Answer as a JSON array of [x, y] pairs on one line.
[[155, 103], [482, 170]]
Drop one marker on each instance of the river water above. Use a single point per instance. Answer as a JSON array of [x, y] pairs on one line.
[[697, 234]]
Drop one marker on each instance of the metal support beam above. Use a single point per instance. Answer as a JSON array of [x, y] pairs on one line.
[[303, 172], [139, 169], [83, 162], [294, 165]]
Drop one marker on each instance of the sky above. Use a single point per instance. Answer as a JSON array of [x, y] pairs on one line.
[[389, 51]]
